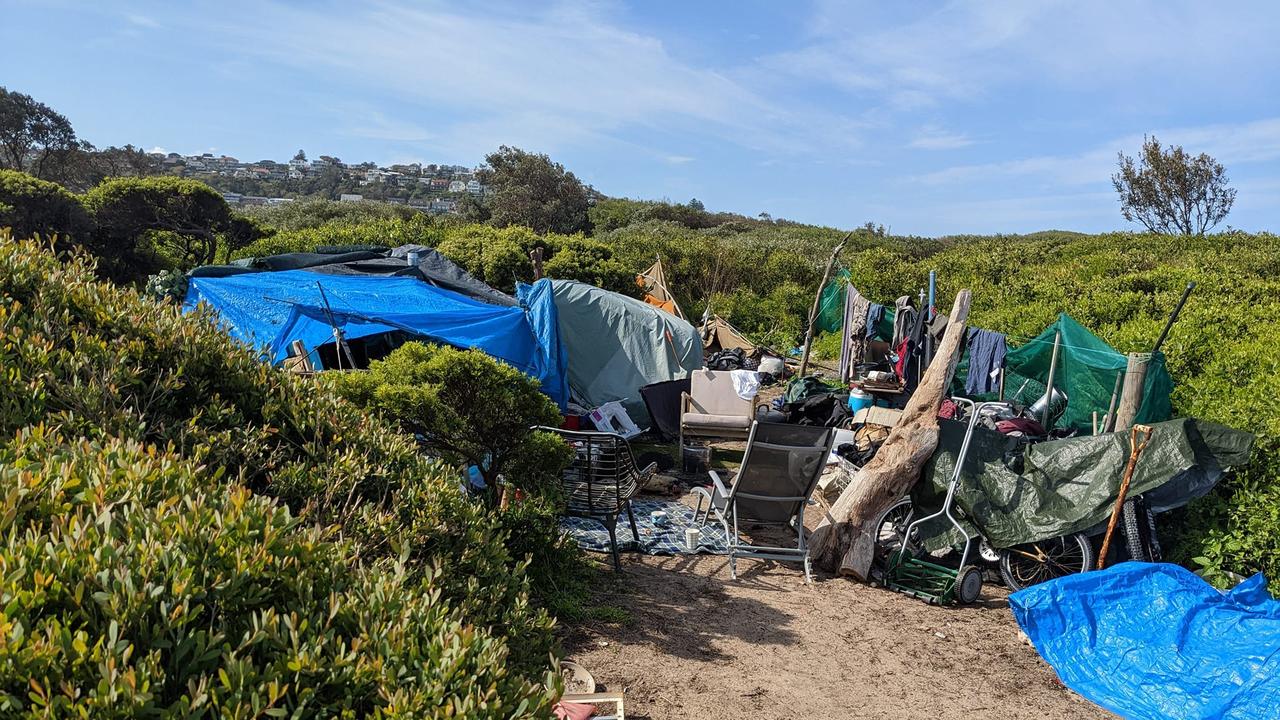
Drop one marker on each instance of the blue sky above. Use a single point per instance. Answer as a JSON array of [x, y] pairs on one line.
[[928, 117]]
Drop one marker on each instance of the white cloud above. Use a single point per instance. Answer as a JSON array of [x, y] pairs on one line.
[[143, 21], [935, 138], [570, 71], [158, 149], [677, 159], [1230, 144]]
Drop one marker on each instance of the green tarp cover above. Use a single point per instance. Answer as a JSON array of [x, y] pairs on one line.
[[831, 306], [1015, 493], [1087, 369], [616, 345]]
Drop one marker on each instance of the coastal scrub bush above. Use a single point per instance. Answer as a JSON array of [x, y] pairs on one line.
[[99, 364], [138, 583], [31, 206]]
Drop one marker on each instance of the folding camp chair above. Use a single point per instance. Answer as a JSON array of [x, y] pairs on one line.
[[781, 466], [601, 480]]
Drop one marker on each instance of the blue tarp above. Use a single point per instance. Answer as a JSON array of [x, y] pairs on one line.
[[1148, 640], [271, 310]]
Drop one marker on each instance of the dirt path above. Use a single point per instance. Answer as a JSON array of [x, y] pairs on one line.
[[700, 645]]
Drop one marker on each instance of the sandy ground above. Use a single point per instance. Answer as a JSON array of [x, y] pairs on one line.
[[701, 645]]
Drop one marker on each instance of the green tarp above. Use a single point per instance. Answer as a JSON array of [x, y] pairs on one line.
[[831, 306], [1016, 494], [615, 345], [1087, 369]]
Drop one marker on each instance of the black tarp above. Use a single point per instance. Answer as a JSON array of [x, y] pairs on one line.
[[663, 401], [1014, 493], [432, 267]]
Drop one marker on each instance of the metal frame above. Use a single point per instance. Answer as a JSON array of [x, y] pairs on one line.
[[974, 409], [736, 547], [602, 480]]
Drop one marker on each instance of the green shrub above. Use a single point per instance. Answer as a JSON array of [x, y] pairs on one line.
[[141, 584], [31, 206], [468, 409], [305, 214], [89, 360]]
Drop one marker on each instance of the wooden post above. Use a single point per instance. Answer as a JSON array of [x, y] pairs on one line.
[[535, 257], [1053, 371], [845, 539], [817, 300], [1135, 376]]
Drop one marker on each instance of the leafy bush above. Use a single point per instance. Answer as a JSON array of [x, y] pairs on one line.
[[468, 409], [140, 584], [146, 224], [30, 206], [92, 361]]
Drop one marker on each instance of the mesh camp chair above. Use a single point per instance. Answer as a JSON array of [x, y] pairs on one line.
[[601, 480], [778, 473]]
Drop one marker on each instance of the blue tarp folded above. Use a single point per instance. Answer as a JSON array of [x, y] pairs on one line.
[[1155, 641], [271, 310]]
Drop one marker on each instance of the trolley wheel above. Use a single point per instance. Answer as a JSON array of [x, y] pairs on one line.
[[968, 584], [1022, 566]]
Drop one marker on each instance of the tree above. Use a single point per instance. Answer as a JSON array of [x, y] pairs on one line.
[[34, 138], [300, 156], [31, 206], [1171, 192], [144, 224], [468, 409], [529, 189], [696, 204]]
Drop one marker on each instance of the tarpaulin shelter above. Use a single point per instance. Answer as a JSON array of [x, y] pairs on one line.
[[417, 261], [718, 334], [1154, 641], [1086, 372], [657, 292], [614, 345], [1014, 493], [270, 310]]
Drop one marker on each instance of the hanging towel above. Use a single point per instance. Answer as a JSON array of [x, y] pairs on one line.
[[986, 358], [853, 343]]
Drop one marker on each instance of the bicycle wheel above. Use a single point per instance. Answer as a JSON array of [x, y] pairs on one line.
[[891, 529], [1031, 563]]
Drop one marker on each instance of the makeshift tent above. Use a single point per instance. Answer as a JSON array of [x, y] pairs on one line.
[[1016, 493], [718, 334], [1154, 641], [1087, 369], [657, 292], [614, 345], [270, 310], [431, 267]]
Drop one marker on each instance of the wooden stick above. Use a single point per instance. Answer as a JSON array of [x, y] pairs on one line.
[[1135, 376], [1135, 451], [817, 300], [1109, 420]]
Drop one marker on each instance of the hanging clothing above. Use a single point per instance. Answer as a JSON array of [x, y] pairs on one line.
[[986, 350], [853, 345], [875, 316], [904, 319], [745, 383]]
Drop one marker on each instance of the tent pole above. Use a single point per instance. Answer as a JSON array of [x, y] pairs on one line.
[[1053, 370], [338, 337], [817, 301]]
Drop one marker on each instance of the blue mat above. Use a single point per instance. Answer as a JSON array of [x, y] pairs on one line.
[[1155, 641], [668, 540]]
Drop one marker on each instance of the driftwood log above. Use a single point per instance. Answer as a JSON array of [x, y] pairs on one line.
[[844, 541]]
